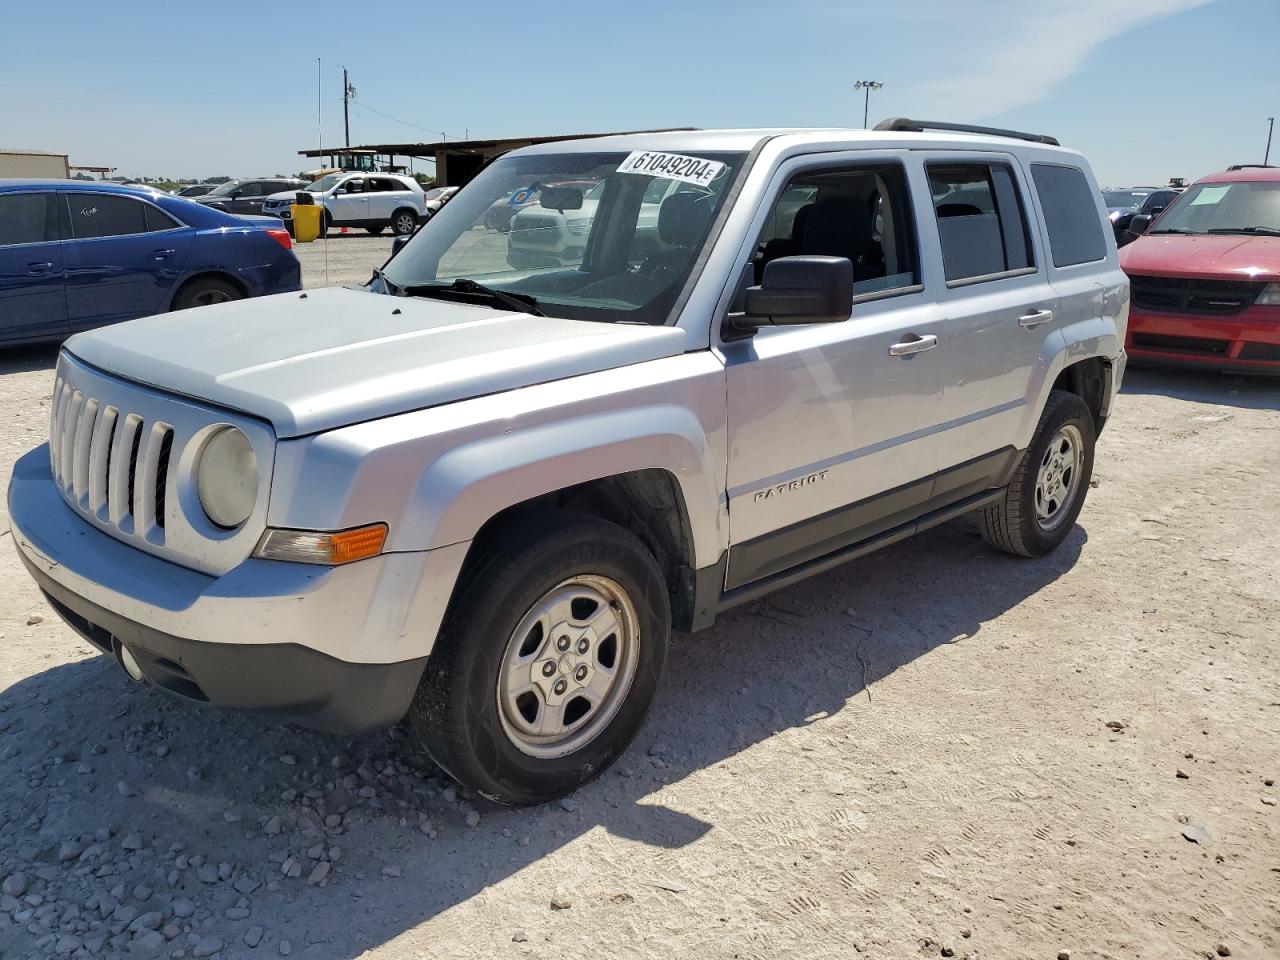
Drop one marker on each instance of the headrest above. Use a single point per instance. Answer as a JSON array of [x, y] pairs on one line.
[[683, 218], [835, 225]]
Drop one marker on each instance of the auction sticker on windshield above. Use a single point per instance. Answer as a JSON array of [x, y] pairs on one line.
[[672, 166]]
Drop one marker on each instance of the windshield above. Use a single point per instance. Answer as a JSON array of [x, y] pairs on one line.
[[1224, 208], [1125, 198], [610, 236], [224, 189], [324, 184]]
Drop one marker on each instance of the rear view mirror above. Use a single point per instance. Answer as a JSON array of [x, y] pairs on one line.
[[1139, 224], [800, 290], [561, 198]]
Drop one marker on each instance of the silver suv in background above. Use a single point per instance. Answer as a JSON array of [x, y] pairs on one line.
[[372, 201], [482, 495]]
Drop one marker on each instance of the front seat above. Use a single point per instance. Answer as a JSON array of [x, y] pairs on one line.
[[842, 227], [682, 223]]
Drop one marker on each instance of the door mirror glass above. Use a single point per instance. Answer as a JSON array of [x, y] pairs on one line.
[[802, 289]]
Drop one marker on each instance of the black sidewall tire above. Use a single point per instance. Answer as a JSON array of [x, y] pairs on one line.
[[455, 713], [186, 297], [1067, 409]]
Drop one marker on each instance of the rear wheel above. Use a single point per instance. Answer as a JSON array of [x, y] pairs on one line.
[[547, 660], [204, 292], [1048, 488], [374, 231], [404, 222]]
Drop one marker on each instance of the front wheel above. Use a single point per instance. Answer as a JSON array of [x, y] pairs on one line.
[[1049, 485], [547, 660], [374, 231]]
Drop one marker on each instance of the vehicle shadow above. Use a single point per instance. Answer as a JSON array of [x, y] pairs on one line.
[[43, 356], [1204, 386], [90, 754]]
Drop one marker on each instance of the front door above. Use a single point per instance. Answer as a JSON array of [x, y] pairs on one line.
[[33, 301], [833, 428], [348, 203]]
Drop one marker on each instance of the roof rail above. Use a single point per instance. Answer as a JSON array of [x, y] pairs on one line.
[[903, 125], [1251, 166]]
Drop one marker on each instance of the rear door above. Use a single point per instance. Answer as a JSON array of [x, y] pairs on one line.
[[383, 196], [249, 197], [33, 301], [124, 256], [1001, 315]]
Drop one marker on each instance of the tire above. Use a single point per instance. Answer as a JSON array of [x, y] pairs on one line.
[[374, 231], [1031, 521], [484, 738], [404, 222], [206, 291], [326, 224]]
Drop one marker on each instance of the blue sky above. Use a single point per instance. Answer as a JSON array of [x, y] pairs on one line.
[[1148, 89]]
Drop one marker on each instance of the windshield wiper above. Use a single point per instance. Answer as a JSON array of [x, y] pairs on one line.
[[391, 288], [1190, 233], [520, 302], [1264, 231]]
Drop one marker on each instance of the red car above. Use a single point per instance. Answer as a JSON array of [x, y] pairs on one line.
[[1205, 275]]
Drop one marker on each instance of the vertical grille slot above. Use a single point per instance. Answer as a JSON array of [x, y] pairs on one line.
[[100, 459], [133, 468], [69, 418], [119, 471], [85, 425], [162, 475]]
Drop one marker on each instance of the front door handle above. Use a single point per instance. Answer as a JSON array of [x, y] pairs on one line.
[[1034, 318], [911, 344], [39, 266]]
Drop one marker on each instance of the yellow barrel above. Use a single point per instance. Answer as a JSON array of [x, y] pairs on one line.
[[306, 221]]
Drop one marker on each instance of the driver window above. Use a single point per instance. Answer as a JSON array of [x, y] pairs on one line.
[[861, 213]]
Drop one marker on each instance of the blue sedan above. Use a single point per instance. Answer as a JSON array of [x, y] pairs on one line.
[[75, 255]]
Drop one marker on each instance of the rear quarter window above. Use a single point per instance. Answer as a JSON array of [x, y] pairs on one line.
[[1070, 214]]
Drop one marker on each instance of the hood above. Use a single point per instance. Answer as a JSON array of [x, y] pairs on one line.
[[1224, 256], [285, 195], [327, 358]]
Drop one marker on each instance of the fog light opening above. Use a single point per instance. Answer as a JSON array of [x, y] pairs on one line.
[[130, 664]]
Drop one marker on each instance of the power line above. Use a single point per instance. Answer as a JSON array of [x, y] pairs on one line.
[[360, 104]]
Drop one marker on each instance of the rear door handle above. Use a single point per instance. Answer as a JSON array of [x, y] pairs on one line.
[[40, 266], [1034, 318], [913, 344], [162, 254]]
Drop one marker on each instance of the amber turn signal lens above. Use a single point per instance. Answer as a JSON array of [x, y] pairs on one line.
[[331, 549]]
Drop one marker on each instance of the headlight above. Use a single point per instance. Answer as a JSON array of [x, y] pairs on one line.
[[227, 478], [1270, 295]]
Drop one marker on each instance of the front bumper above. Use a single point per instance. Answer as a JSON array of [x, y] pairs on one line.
[[339, 648], [1246, 342]]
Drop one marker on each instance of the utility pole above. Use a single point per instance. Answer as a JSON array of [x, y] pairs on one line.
[[346, 99], [868, 86], [1271, 122]]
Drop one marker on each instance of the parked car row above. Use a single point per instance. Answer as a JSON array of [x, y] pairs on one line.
[[78, 254], [1123, 205]]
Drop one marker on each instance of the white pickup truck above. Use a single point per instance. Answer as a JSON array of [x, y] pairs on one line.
[[482, 496]]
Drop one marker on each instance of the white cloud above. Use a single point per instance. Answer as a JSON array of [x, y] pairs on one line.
[[1007, 55]]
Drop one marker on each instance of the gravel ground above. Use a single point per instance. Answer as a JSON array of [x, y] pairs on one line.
[[344, 258], [935, 751]]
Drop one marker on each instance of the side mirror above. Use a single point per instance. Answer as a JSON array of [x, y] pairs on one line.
[[800, 290], [1139, 224], [398, 244]]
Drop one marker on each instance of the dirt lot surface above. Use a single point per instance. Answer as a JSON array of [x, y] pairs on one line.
[[934, 751]]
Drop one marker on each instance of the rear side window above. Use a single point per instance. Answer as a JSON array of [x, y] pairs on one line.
[[1070, 214], [26, 218], [981, 222], [95, 215]]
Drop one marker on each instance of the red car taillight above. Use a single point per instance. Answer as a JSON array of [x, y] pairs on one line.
[[281, 237]]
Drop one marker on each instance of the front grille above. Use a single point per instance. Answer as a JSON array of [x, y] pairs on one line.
[[535, 229], [1158, 341], [111, 464], [1213, 298]]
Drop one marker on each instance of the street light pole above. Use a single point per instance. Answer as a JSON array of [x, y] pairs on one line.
[[868, 86], [1271, 122]]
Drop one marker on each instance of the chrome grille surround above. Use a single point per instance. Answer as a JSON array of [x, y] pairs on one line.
[[124, 456]]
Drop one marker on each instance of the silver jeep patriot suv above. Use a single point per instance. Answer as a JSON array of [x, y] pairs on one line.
[[481, 495]]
